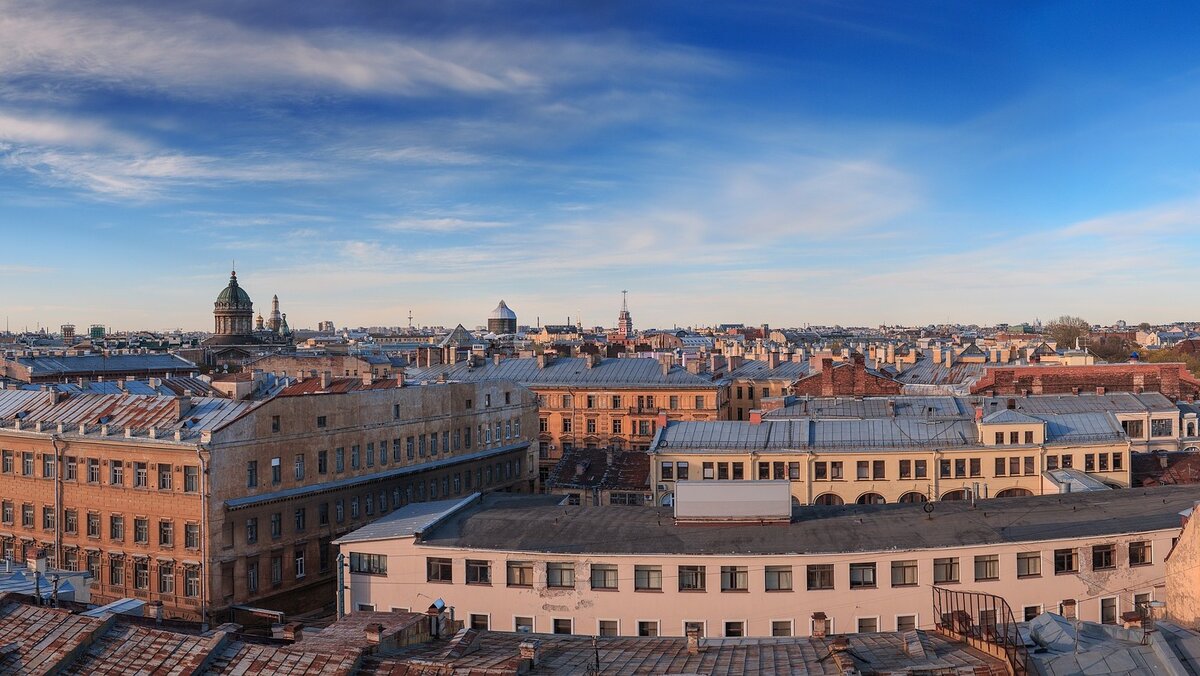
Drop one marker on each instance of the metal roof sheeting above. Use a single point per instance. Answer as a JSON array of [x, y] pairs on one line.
[[97, 363], [569, 372]]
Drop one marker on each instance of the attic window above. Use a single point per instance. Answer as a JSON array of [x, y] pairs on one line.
[[21, 415], [104, 419]]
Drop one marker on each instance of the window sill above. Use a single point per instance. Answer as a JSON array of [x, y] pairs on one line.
[[865, 586], [693, 591], [901, 586], [648, 591], [987, 579], [479, 584], [778, 591], [1031, 576], [1139, 565]]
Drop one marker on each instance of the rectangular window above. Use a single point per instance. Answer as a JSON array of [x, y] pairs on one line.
[[1118, 462], [820, 471], [276, 525], [276, 571], [48, 466], [1089, 462], [1104, 557], [906, 622], [647, 628], [141, 574], [300, 519], [604, 576], [945, 570], [1028, 438], [520, 574], [70, 518], [1108, 606], [116, 527], [1067, 462], [191, 479], [368, 564], [647, 578], [944, 468], [735, 629], [1162, 427], [164, 477], [166, 578], [191, 536], [868, 625], [920, 469], [141, 531], [735, 579], [862, 576], [439, 570], [27, 519], [681, 471], [778, 578], [27, 464], [976, 470], [252, 576], [1001, 466], [608, 628], [191, 582], [479, 572], [1103, 462], [251, 473], [999, 438], [691, 578], [1014, 438], [523, 625], [298, 467], [1014, 466], [835, 470], [906, 469], [166, 533], [252, 530], [7, 466], [820, 576], [1051, 462], [116, 571], [960, 467], [667, 471], [93, 471], [560, 575], [781, 627], [355, 456], [877, 467], [1066, 561], [708, 472], [72, 469], [1028, 465], [904, 573], [987, 567], [863, 470], [562, 625], [1139, 553], [1029, 564], [93, 521]]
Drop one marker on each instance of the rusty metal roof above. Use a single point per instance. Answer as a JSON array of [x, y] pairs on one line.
[[117, 411]]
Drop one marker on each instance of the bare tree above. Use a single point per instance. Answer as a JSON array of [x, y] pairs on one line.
[[1066, 329]]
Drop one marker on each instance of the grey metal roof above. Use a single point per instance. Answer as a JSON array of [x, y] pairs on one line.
[[1008, 416], [164, 386], [1055, 404], [1082, 427], [761, 370], [568, 372], [873, 407], [96, 363], [928, 372], [529, 524], [407, 521]]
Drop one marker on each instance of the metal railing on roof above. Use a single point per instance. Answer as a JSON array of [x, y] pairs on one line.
[[984, 622]]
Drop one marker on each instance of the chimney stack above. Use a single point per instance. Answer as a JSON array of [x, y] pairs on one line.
[[531, 651], [293, 631], [756, 416], [326, 379], [693, 641], [820, 625], [373, 632], [1068, 609]]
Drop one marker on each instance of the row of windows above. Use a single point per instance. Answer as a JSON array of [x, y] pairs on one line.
[[643, 402], [140, 473], [417, 446], [876, 470], [322, 421], [122, 570], [730, 628], [694, 578], [644, 428], [275, 567], [94, 524], [365, 505]]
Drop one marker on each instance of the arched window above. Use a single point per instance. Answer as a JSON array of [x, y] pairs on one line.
[[913, 496], [960, 494], [829, 499], [1014, 493], [871, 499]]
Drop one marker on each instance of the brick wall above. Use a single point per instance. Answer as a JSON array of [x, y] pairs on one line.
[[1171, 379], [849, 379]]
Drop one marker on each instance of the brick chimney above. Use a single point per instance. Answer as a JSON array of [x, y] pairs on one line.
[[820, 624], [368, 378], [326, 379], [693, 641], [373, 632], [531, 651], [773, 360], [1068, 609], [756, 416], [293, 631], [35, 559]]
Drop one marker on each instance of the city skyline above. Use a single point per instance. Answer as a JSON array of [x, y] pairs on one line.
[[852, 164]]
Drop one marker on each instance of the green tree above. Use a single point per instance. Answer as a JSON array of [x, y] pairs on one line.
[[1066, 329], [1164, 356]]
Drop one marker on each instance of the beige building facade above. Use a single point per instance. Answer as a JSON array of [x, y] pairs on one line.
[[867, 569]]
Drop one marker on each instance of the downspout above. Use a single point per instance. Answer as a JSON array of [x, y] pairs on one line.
[[341, 586], [203, 454], [58, 500]]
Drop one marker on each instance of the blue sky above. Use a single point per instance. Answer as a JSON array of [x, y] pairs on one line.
[[781, 162]]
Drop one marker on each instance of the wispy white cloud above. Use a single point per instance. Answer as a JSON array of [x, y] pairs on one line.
[[191, 53], [440, 225]]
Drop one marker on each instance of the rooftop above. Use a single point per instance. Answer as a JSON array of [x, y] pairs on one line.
[[537, 524], [569, 372], [599, 468], [47, 365]]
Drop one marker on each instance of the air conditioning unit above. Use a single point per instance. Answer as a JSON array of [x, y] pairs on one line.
[[662, 487]]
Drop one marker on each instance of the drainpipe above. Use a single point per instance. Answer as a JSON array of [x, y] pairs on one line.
[[58, 501], [203, 454], [341, 586]]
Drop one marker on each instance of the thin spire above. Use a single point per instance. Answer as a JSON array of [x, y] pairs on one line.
[[624, 303]]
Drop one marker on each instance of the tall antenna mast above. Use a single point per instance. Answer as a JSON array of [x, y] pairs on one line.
[[410, 319], [624, 304]]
